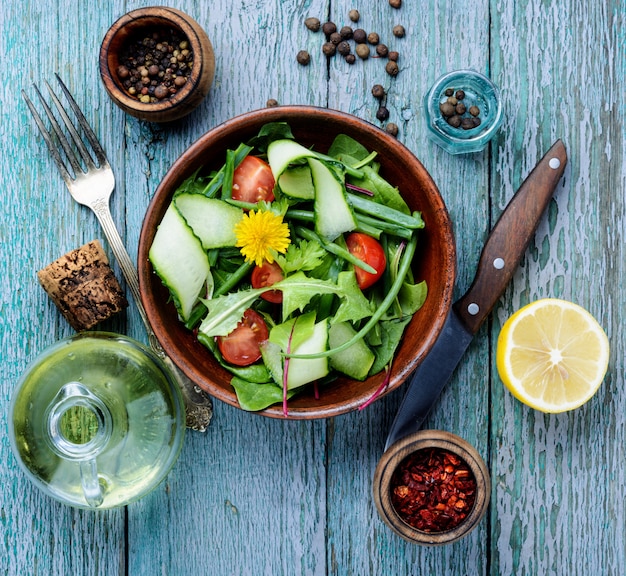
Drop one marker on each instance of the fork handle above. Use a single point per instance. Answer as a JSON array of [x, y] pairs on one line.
[[198, 406]]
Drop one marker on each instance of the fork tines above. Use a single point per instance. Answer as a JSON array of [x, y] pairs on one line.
[[75, 138]]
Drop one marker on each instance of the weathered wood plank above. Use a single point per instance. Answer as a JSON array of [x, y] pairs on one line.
[[556, 507]]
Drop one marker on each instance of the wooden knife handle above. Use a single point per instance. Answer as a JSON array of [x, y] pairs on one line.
[[510, 237]]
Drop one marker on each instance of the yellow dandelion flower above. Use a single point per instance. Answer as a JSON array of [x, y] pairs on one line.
[[260, 234]]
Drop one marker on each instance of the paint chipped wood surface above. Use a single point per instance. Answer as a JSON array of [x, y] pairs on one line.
[[255, 496]]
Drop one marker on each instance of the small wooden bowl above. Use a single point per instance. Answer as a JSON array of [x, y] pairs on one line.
[[435, 260], [145, 20], [394, 456]]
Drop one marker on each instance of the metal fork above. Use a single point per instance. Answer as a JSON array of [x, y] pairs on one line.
[[92, 187]]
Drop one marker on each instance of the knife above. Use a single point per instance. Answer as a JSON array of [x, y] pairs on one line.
[[498, 262]]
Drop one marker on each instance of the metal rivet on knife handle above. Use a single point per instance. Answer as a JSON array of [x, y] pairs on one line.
[[554, 163]]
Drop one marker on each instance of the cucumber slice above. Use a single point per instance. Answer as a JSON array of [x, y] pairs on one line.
[[179, 260], [356, 360], [281, 153], [212, 220], [296, 182], [301, 371], [333, 215]]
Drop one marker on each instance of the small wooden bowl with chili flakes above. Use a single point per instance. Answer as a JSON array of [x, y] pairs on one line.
[[157, 63], [431, 488]]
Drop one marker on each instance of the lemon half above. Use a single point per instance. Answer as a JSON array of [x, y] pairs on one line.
[[552, 355]]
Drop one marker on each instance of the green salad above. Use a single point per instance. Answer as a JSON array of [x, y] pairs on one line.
[[291, 266]]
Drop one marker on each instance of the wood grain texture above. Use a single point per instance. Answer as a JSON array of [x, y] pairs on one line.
[[257, 496]]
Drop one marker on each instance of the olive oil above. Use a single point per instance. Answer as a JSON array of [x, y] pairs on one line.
[[96, 420]]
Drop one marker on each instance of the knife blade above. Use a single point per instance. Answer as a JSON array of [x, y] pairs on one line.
[[498, 261]]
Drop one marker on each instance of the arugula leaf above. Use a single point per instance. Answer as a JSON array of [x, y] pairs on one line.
[[354, 305], [298, 289], [303, 256], [253, 397]]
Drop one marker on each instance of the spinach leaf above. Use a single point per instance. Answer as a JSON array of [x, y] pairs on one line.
[[253, 397], [391, 333]]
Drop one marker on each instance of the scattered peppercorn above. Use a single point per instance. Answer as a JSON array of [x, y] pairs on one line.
[[382, 113], [392, 68], [350, 58], [343, 48], [328, 28], [329, 49], [335, 38], [378, 92], [393, 56], [373, 38], [433, 490], [359, 36], [382, 50], [155, 67], [363, 51], [354, 15], [272, 103], [303, 57], [313, 24], [346, 32], [391, 129], [399, 31], [395, 3]]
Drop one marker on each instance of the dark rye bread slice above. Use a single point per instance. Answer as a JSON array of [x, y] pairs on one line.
[[83, 286]]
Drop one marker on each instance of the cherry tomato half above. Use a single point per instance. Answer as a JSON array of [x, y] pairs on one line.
[[241, 346], [369, 250], [253, 181], [267, 275]]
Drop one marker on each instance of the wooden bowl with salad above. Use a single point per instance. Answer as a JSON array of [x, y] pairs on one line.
[[297, 262]]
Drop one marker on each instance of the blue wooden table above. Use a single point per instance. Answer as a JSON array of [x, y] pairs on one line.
[[255, 496]]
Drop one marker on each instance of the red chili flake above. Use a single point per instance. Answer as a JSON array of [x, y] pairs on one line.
[[433, 490]]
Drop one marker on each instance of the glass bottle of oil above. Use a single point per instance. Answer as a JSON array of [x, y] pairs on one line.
[[96, 421]]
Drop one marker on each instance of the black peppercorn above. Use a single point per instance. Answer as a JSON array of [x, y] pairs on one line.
[[362, 51], [303, 57], [449, 91], [378, 92], [329, 49], [460, 94], [467, 123], [313, 24], [393, 56], [272, 103], [391, 129], [335, 38], [346, 33], [350, 58], [354, 15], [454, 121], [343, 48], [328, 28], [382, 113], [392, 68], [373, 38], [474, 110], [395, 3], [382, 50], [446, 109], [359, 36], [399, 31], [460, 108]]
